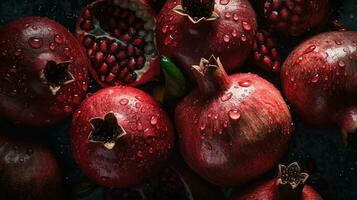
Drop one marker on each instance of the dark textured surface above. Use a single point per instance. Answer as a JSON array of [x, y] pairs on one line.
[[320, 151]]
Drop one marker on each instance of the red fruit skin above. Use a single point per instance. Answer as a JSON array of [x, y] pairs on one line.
[[268, 191], [236, 134], [28, 170], [24, 97], [139, 154], [296, 17], [153, 70], [186, 42], [319, 78]]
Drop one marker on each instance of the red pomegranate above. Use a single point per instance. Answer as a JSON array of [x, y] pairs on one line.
[[232, 128], [296, 17], [28, 170], [172, 183], [120, 136], [44, 72], [319, 79], [190, 29], [119, 39], [288, 185]]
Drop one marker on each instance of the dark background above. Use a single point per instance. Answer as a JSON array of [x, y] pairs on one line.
[[332, 167]]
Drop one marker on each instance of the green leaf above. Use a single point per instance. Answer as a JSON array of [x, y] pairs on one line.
[[175, 82]]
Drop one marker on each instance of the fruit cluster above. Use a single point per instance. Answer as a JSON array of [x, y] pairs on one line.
[[175, 116]]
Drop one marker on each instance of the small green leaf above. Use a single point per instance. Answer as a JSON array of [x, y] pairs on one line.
[[175, 82]]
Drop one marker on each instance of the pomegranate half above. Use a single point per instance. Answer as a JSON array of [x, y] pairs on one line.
[[232, 128], [319, 79], [120, 136]]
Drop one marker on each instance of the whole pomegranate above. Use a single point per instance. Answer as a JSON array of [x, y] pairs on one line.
[[190, 29], [28, 170], [120, 136], [288, 185], [319, 79], [173, 183], [232, 128], [295, 17], [119, 40], [44, 72]]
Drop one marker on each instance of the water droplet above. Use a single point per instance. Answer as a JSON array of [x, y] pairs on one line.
[[224, 2], [310, 49], [315, 78], [226, 96], [227, 15], [153, 120], [203, 126], [234, 114], [245, 83], [124, 101], [68, 109], [140, 154], [35, 42], [243, 38], [338, 42], [164, 29], [58, 39], [139, 98], [226, 38], [246, 26], [151, 150], [18, 52], [235, 17], [52, 46], [140, 126], [66, 51], [341, 63]]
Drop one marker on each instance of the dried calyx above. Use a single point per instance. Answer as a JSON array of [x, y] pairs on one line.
[[57, 75], [106, 131], [197, 10], [291, 182]]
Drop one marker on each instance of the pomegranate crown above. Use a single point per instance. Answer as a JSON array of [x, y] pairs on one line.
[[197, 10], [291, 175]]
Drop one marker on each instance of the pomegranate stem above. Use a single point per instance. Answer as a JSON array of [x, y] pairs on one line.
[[198, 8], [347, 120], [211, 76], [290, 182]]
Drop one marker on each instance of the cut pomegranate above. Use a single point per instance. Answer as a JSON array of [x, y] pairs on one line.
[[119, 39]]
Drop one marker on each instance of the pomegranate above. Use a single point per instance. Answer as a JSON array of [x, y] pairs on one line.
[[190, 29], [265, 53], [120, 136], [288, 185], [173, 183], [319, 79], [232, 128], [28, 170], [295, 17], [44, 72], [119, 39]]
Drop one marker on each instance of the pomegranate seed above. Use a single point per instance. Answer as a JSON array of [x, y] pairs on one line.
[[111, 60], [110, 78], [113, 48], [138, 42], [121, 55], [130, 78], [132, 64], [284, 13], [87, 14], [99, 57], [87, 25], [124, 63], [115, 69], [123, 73], [88, 42], [267, 60], [104, 68], [264, 49], [103, 46], [140, 62], [130, 50], [257, 56], [126, 37]]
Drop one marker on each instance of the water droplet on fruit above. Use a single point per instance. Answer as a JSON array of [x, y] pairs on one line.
[[68, 109], [227, 15], [245, 83], [140, 154], [341, 63], [58, 39], [18, 52], [226, 96], [139, 126], [66, 51], [234, 33], [226, 38], [124, 101], [243, 38], [151, 150], [315, 78], [35, 42], [153, 120], [52, 46], [203, 126], [235, 17], [139, 98], [309, 49], [224, 2], [246, 26], [234, 114]]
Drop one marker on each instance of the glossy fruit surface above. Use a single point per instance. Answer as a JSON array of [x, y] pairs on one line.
[[28, 171], [188, 30], [120, 136], [319, 79], [232, 128], [44, 72], [119, 40], [290, 184]]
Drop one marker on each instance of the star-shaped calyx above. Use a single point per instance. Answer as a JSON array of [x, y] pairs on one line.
[[106, 131], [197, 10], [56, 75]]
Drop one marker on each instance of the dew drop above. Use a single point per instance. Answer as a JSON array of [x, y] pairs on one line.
[[164, 29], [315, 78], [245, 83], [226, 96], [153, 120], [52, 46], [35, 42], [243, 38], [226, 38], [18, 52], [139, 126], [341, 63], [234, 114], [68, 109], [66, 51], [124, 101], [227, 15], [246, 26], [224, 2], [139, 98], [235, 17], [140, 154], [234, 33], [203, 126], [309, 49], [58, 39]]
